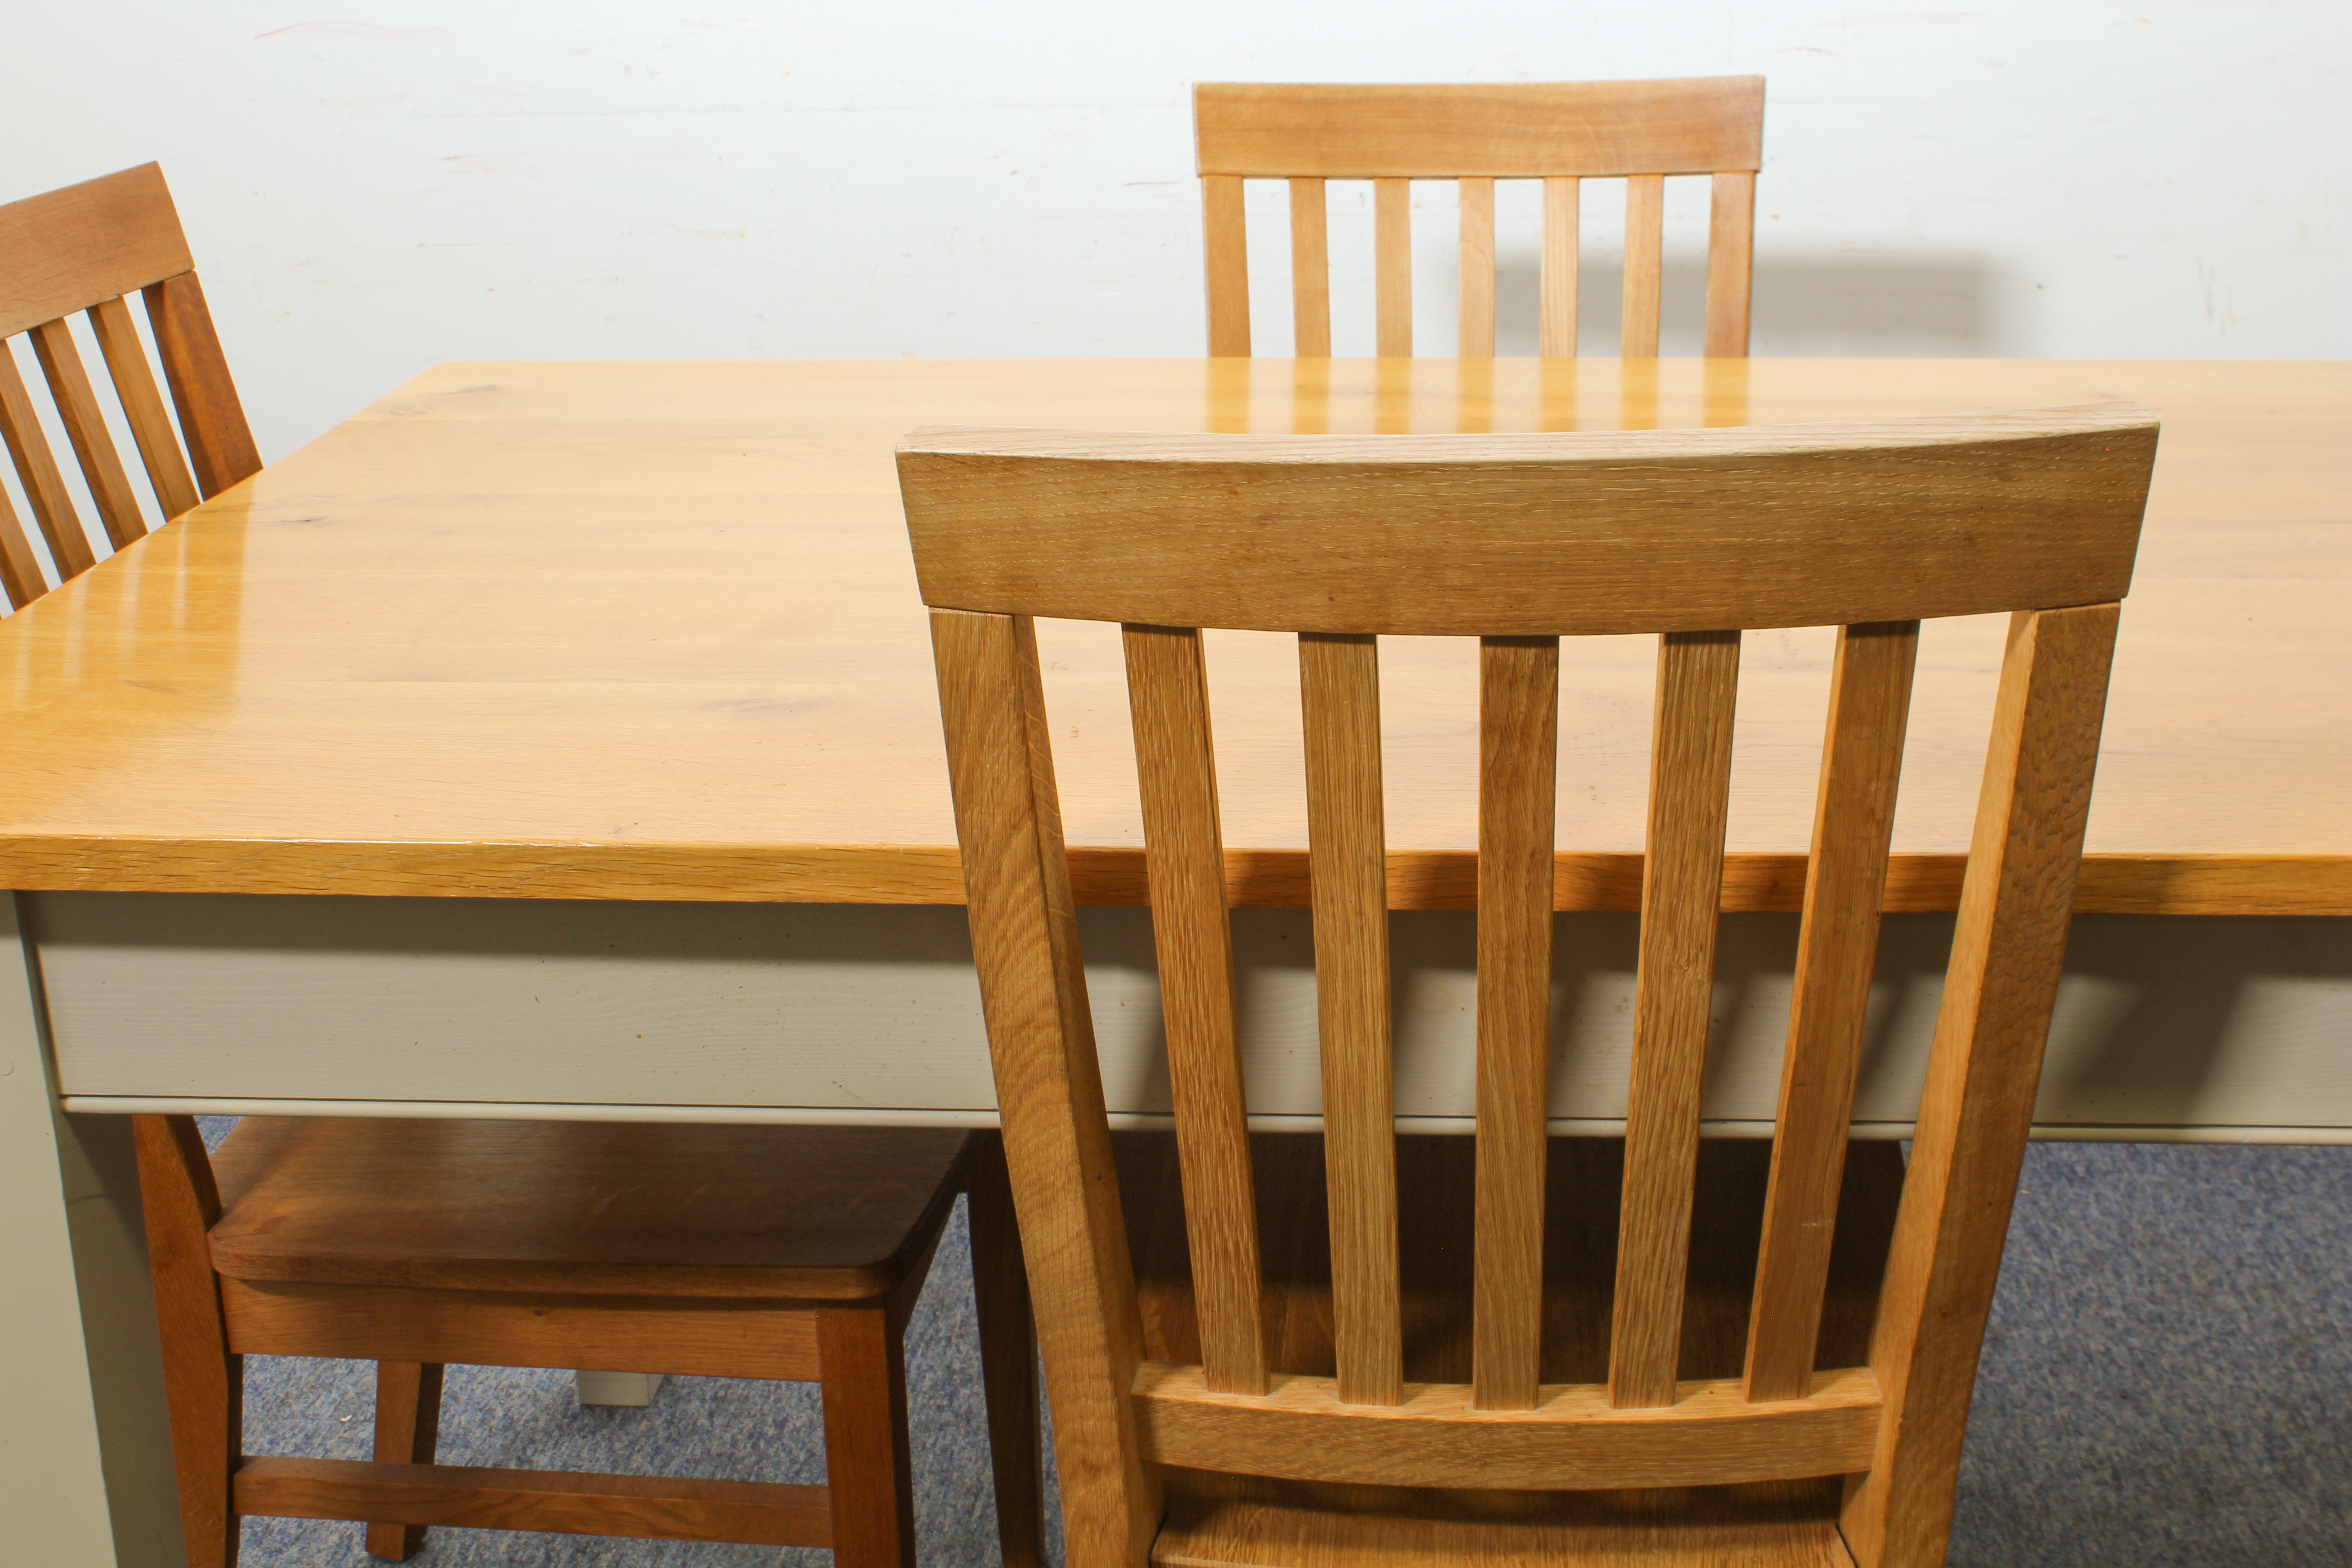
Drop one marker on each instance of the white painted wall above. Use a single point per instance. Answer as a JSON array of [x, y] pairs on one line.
[[373, 190]]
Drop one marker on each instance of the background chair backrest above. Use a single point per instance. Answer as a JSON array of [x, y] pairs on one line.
[[84, 249], [1690, 534], [1558, 133]]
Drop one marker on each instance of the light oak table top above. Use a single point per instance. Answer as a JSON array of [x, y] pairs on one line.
[[650, 631]]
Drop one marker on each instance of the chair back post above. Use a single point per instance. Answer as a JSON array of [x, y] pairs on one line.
[[182, 1205], [1521, 540], [1983, 1070], [1048, 1080], [1557, 132], [86, 249]]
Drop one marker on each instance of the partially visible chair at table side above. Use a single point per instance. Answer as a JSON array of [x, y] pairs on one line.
[[1338, 1387], [788, 1253], [84, 251], [1558, 133]]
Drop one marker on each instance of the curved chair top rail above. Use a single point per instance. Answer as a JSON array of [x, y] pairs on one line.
[[1534, 535], [1698, 125], [71, 249]]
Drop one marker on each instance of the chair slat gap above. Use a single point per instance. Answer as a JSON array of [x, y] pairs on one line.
[[1846, 885], [78, 410], [212, 419], [1518, 743], [45, 485], [1983, 1070], [1682, 887], [1563, 193], [1340, 690], [20, 570], [1191, 929], [1477, 285], [1730, 264], [1645, 228], [1310, 269], [1392, 266], [1225, 238], [143, 406]]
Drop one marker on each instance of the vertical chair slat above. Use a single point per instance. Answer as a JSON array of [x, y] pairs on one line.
[[1226, 239], [78, 410], [1518, 744], [1730, 251], [142, 406], [1983, 1072], [1191, 929], [1681, 886], [1562, 196], [1048, 1079], [1392, 266], [20, 570], [1477, 340], [45, 487], [1310, 270], [1340, 688], [212, 420], [1845, 883], [1645, 228]]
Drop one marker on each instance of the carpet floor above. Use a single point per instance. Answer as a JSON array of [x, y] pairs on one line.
[[2167, 1381]]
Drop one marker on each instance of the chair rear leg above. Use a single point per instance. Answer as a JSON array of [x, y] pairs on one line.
[[203, 1384], [1008, 1357], [407, 1426], [868, 1474]]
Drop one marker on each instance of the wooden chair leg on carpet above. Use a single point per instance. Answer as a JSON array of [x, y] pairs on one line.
[[867, 1467], [407, 1425], [205, 1383], [1008, 1356]]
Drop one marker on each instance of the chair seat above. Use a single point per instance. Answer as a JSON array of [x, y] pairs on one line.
[[820, 1214]]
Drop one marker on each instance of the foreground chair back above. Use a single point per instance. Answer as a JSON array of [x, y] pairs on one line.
[[1520, 539], [85, 248], [1558, 133]]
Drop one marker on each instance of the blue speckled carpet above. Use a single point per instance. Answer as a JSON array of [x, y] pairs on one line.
[[2167, 1381]]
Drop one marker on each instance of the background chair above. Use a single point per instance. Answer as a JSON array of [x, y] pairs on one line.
[[1558, 133], [778, 1252], [1649, 1352], [86, 249]]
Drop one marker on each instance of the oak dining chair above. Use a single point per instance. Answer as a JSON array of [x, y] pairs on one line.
[[791, 1253], [84, 251], [1560, 133], [1656, 1348]]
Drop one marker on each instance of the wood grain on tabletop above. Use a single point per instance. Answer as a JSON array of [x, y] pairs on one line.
[[651, 631]]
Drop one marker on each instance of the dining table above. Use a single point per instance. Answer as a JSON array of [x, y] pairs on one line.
[[559, 739]]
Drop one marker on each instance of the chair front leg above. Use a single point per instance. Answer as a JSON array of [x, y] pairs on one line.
[[407, 1427], [867, 1470]]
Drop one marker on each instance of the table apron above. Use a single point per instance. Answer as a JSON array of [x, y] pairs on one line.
[[2222, 1028]]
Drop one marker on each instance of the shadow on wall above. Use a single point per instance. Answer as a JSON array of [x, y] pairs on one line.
[[1923, 306]]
